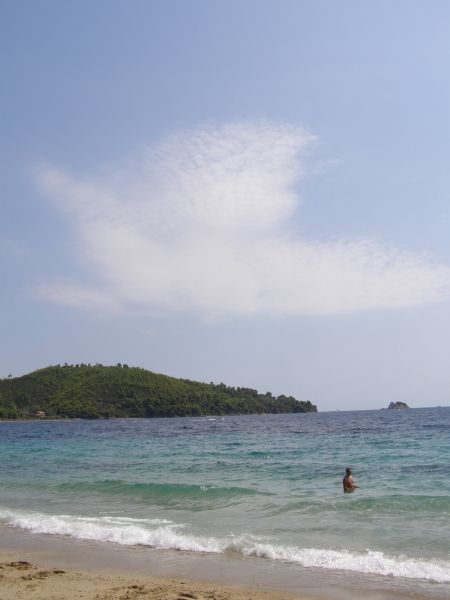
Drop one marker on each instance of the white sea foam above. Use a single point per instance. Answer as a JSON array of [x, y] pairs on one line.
[[164, 534], [363, 562], [119, 530]]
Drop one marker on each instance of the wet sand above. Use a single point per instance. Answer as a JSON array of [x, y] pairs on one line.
[[22, 579], [39, 567]]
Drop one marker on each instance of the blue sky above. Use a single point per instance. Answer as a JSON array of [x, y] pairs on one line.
[[251, 192]]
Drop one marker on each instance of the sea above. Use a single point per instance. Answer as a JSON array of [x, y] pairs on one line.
[[260, 487]]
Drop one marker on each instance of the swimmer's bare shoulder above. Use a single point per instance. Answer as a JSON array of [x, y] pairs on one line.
[[348, 484]]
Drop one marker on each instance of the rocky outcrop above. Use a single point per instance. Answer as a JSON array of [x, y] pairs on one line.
[[398, 405]]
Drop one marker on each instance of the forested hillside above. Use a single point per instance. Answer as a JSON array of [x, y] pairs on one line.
[[85, 391]]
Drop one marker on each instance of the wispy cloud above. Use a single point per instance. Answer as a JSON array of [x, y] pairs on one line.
[[203, 224], [77, 296]]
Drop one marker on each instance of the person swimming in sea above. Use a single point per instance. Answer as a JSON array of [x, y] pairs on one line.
[[348, 483]]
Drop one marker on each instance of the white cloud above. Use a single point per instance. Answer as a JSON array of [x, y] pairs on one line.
[[203, 224]]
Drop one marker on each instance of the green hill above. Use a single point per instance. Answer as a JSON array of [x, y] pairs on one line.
[[92, 392]]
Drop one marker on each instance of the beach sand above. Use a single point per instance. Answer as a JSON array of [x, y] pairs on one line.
[[39, 567], [23, 579]]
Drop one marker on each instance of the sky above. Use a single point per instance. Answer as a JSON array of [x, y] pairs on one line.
[[251, 192]]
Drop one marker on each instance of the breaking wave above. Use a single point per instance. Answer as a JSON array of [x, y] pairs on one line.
[[164, 534]]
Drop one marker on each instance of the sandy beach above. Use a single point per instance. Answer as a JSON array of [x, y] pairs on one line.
[[23, 579], [42, 568]]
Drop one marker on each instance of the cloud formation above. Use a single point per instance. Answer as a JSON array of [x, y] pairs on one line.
[[203, 224]]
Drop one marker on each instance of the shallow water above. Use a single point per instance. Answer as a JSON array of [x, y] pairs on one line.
[[263, 486]]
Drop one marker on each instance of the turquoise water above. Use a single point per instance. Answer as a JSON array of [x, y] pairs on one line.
[[268, 486]]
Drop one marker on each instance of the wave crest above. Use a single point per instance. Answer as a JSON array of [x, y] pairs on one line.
[[167, 535]]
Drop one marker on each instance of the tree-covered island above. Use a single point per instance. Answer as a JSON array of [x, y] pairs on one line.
[[96, 392]]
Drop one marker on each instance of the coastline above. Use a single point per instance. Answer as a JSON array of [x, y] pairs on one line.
[[97, 571], [42, 567], [41, 581]]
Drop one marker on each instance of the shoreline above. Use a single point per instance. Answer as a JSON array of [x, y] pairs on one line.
[[206, 502], [40, 581], [56, 419], [98, 571]]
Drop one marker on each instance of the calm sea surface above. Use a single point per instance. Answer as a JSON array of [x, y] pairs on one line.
[[266, 486]]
